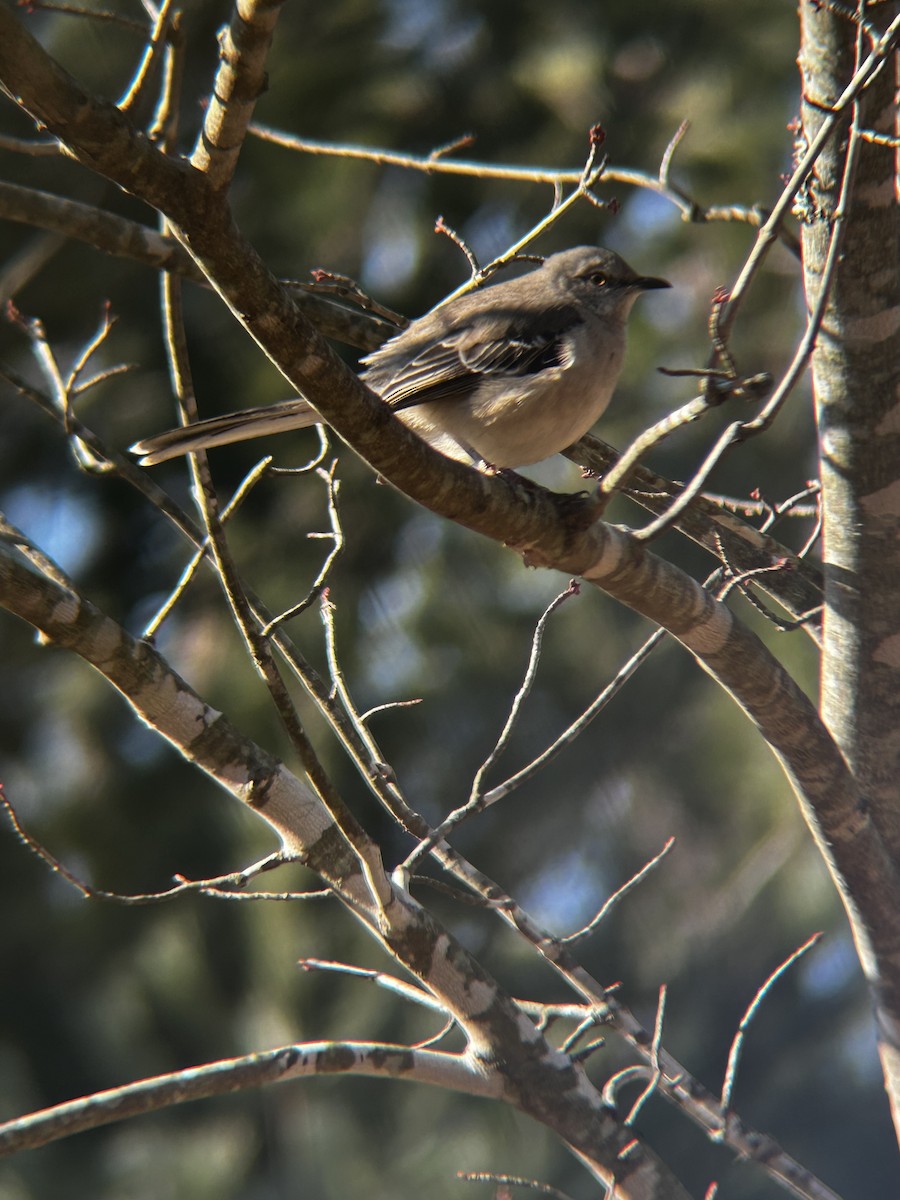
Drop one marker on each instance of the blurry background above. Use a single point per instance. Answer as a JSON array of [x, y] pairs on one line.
[[95, 995]]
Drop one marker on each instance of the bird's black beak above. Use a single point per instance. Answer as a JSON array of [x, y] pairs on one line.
[[647, 282]]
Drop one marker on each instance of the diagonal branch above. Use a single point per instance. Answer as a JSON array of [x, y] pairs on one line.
[[798, 588], [112, 234], [455, 1071], [506, 1046]]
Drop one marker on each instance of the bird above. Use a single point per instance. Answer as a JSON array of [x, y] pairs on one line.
[[501, 377]]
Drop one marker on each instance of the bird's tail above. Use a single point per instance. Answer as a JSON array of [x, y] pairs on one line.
[[220, 431]]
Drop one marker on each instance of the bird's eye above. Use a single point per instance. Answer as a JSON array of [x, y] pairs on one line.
[[597, 278]]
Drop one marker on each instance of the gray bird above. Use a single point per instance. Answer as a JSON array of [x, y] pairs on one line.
[[507, 375]]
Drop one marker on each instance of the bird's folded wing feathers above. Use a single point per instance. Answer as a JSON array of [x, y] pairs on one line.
[[454, 365]]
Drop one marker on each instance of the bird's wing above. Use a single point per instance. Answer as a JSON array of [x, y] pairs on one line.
[[454, 364]]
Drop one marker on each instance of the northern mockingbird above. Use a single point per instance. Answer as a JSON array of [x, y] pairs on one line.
[[507, 375]]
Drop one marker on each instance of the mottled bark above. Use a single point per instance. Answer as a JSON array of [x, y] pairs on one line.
[[856, 368]]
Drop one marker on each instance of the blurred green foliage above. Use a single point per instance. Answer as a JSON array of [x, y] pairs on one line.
[[95, 995]]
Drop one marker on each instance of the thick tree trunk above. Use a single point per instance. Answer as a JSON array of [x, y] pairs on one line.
[[856, 371]]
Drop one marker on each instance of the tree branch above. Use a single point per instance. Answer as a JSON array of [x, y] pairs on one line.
[[303, 1061], [528, 1072], [240, 81]]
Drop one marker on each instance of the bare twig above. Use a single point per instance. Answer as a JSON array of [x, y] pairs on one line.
[[798, 590], [335, 536], [579, 725], [380, 979], [434, 164], [881, 51], [740, 431], [720, 389], [91, 14], [387, 707], [594, 168], [72, 381], [218, 885], [653, 1083], [155, 47], [619, 895], [246, 485], [533, 1185], [441, 226], [737, 1045], [329, 283], [623, 1078], [477, 799]]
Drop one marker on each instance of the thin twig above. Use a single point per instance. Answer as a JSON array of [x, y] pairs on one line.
[[380, 979], [246, 485], [216, 885], [89, 349], [594, 168], [525, 688], [579, 725], [330, 283], [653, 1083], [882, 49], [441, 226], [618, 477], [387, 707], [588, 1022], [665, 164], [92, 14], [152, 52], [619, 895], [737, 1045], [476, 801], [740, 431], [60, 390], [533, 1185], [623, 1078], [336, 536], [431, 164]]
